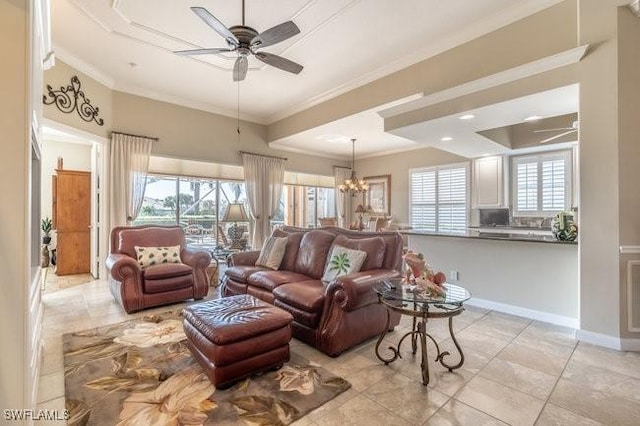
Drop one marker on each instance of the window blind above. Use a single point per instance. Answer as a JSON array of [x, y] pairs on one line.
[[439, 198]]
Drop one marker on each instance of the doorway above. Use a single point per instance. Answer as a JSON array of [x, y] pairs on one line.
[[74, 159]]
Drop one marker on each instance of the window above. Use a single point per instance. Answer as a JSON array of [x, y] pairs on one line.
[[303, 205], [541, 183], [196, 204], [439, 198]]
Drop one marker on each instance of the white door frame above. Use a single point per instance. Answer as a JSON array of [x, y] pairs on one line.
[[100, 251]]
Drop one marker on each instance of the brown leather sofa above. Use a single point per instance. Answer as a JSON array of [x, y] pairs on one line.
[[332, 317], [137, 288]]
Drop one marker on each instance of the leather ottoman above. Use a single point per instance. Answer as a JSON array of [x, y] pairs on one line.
[[237, 336]]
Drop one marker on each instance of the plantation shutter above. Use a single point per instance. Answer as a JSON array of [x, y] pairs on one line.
[[527, 185], [452, 199], [423, 200], [553, 184], [542, 183], [439, 198]]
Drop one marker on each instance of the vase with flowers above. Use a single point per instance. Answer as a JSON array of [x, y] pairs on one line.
[[419, 273]]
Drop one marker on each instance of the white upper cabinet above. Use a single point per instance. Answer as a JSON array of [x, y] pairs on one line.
[[488, 183]]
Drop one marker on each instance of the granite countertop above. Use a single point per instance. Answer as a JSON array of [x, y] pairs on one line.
[[475, 233]]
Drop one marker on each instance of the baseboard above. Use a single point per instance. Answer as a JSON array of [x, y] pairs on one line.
[[525, 312], [604, 340], [611, 342]]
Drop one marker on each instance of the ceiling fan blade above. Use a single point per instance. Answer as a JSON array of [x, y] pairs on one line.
[[558, 136], [211, 51], [279, 62], [275, 34], [240, 68], [218, 26], [554, 130]]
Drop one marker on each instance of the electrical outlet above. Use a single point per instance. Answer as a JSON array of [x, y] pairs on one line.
[[453, 275]]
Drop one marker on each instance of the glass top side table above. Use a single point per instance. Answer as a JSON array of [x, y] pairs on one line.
[[412, 301]]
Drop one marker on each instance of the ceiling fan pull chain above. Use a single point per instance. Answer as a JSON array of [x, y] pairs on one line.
[[238, 112]]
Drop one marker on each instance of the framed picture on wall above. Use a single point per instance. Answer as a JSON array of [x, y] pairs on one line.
[[379, 194]]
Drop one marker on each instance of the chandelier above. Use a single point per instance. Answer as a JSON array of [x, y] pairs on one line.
[[353, 185]]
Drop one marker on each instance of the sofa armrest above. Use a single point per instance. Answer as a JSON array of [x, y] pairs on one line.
[[354, 291], [122, 267], [195, 259], [243, 258]]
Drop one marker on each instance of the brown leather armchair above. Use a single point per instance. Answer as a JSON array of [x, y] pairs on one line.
[[137, 288]]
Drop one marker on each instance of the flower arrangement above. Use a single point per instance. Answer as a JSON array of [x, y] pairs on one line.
[[419, 273]]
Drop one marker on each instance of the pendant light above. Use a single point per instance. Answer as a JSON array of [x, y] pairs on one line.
[[353, 185]]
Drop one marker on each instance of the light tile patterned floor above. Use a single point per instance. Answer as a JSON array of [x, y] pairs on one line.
[[516, 371]]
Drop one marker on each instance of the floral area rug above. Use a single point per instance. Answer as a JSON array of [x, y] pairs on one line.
[[140, 372]]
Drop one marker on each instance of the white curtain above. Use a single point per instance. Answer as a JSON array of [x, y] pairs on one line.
[[129, 163], [343, 210], [263, 177]]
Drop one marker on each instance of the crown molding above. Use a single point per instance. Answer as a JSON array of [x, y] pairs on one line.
[[277, 145], [82, 66], [108, 81], [499, 20], [187, 103]]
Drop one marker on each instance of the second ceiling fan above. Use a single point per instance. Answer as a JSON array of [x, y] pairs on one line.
[[565, 131], [247, 41]]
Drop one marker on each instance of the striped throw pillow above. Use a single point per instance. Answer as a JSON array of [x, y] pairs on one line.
[[272, 252]]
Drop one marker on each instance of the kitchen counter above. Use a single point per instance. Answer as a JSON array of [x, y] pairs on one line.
[[503, 234]]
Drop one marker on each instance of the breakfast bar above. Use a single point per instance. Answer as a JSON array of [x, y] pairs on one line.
[[529, 275]]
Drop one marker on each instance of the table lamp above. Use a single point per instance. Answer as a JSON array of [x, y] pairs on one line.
[[235, 213], [360, 209]]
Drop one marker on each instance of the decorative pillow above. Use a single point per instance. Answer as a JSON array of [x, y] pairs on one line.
[[374, 247], [293, 245], [343, 261], [149, 256], [272, 252]]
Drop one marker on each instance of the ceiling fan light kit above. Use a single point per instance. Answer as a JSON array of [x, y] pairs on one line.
[[247, 41]]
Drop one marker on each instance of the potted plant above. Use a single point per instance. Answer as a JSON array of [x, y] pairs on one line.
[[46, 227]]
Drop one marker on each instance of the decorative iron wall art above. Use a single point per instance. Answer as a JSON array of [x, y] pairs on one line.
[[71, 98]]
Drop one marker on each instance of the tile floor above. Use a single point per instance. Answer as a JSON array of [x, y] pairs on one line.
[[516, 371]]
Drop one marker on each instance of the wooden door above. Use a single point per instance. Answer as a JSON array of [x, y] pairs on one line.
[[73, 219]]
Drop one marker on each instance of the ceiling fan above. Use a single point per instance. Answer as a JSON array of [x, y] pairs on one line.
[[247, 41], [565, 131]]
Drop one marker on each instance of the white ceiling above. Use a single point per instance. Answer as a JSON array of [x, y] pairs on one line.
[[343, 44]]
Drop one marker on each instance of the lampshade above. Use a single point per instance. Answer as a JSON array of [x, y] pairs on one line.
[[360, 209], [235, 213]]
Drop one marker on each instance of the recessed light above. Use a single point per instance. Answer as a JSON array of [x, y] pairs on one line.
[[533, 118], [466, 117], [446, 139], [332, 138]]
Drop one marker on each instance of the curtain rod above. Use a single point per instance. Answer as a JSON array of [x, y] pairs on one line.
[[341, 167], [135, 136], [262, 155]]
